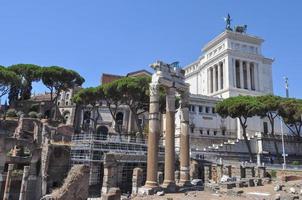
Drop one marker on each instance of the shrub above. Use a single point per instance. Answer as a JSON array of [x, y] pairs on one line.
[[33, 114], [274, 174], [11, 113], [296, 162]]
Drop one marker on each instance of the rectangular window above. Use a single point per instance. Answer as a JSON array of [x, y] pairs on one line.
[[200, 109], [265, 128], [207, 109], [215, 132], [208, 132], [213, 110], [192, 129], [192, 108], [201, 131]]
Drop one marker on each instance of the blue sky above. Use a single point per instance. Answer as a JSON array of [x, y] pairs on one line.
[[119, 36]]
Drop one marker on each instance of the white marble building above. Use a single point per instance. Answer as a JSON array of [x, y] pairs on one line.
[[231, 64]]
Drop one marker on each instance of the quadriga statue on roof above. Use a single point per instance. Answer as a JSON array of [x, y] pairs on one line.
[[241, 28]]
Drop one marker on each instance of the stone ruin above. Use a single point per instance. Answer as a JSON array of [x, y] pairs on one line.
[[171, 78], [34, 158], [75, 185]]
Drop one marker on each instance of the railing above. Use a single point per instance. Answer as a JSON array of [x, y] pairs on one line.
[[109, 138], [87, 147]]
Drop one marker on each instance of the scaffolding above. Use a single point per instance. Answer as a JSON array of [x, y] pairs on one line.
[[90, 149]]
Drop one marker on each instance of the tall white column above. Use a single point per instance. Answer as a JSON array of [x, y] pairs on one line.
[[248, 75], [219, 76], [241, 74], [208, 81], [214, 78], [256, 76], [211, 80]]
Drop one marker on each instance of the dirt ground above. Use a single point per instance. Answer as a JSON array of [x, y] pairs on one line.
[[251, 193]]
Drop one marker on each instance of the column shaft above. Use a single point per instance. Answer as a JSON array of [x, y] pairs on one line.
[[8, 182], [208, 80], [219, 77], [184, 142], [153, 136], [169, 180], [214, 78]]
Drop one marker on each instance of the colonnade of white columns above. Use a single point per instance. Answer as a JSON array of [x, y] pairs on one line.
[[216, 77], [246, 75]]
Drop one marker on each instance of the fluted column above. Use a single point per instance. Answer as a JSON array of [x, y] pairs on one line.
[[23, 189], [169, 180], [214, 79], [153, 137], [8, 182], [184, 141], [219, 76], [208, 81]]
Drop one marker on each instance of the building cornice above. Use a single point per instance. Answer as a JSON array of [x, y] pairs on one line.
[[234, 36]]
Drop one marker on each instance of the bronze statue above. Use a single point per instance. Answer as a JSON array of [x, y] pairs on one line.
[[228, 22]]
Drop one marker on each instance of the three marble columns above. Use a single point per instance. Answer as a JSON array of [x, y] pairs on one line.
[[153, 139]]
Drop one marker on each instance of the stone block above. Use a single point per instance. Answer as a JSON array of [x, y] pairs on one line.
[[251, 183], [113, 194]]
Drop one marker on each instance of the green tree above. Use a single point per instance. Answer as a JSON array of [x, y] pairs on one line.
[[7, 79], [270, 109], [90, 98], [113, 98], [29, 73], [58, 79], [291, 112], [241, 107], [135, 94]]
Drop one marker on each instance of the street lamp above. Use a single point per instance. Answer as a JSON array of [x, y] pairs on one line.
[[286, 86]]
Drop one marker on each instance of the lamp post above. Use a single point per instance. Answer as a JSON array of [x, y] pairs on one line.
[[286, 86]]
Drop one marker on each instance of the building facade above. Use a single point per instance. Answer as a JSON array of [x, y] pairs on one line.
[[231, 64]]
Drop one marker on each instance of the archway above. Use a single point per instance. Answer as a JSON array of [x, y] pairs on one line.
[[119, 122], [102, 132], [66, 116]]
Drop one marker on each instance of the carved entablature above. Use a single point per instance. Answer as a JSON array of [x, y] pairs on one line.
[[169, 75]]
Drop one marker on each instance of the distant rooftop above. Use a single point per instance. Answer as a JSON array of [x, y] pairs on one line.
[[107, 78]]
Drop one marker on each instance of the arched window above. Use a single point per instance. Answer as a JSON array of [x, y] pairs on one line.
[[102, 132]]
